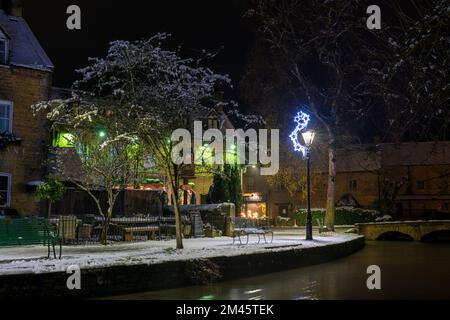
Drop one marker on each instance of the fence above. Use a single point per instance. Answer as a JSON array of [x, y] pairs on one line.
[[93, 229]]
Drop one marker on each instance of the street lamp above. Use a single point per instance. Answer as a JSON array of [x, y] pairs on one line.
[[302, 119], [308, 137]]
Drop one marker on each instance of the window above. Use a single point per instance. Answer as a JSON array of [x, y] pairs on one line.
[[3, 50], [279, 187], [250, 184], [5, 189], [63, 140], [6, 110], [213, 123], [353, 185], [420, 185], [283, 210]]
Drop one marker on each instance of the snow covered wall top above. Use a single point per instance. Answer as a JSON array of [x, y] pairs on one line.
[[24, 48]]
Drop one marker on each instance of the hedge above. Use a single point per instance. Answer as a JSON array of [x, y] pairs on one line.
[[344, 216]]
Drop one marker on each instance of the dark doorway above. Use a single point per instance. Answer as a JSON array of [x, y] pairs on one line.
[[399, 211], [283, 210]]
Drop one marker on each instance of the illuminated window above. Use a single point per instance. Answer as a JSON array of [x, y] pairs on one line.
[[5, 189], [63, 140], [6, 116]]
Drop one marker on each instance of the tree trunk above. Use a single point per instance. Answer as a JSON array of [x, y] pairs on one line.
[[49, 213], [330, 215], [107, 218], [173, 185]]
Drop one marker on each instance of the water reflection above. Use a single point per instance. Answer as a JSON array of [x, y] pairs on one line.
[[410, 270]]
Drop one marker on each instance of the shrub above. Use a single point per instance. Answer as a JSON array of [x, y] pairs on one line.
[[344, 216], [51, 190]]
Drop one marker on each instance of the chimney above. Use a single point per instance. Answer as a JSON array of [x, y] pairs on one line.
[[16, 8]]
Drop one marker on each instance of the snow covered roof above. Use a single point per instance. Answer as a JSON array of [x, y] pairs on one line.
[[24, 48]]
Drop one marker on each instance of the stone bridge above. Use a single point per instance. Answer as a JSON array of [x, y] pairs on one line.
[[417, 230]]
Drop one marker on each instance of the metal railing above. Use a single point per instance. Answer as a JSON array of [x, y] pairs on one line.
[[94, 229]]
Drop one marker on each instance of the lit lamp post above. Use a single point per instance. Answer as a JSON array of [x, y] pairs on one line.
[[308, 137], [302, 119]]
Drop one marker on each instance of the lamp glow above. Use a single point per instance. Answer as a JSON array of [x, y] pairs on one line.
[[308, 136]]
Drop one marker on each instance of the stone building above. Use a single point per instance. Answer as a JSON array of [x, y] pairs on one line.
[[25, 78], [412, 179]]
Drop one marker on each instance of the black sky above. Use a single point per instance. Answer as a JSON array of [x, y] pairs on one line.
[[195, 25]]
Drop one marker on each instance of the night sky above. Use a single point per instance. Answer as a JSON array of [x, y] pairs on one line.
[[196, 25]]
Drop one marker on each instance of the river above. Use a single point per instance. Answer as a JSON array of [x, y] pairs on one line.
[[409, 270]]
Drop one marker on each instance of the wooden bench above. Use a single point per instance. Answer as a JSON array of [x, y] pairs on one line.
[[150, 231], [29, 231], [243, 227]]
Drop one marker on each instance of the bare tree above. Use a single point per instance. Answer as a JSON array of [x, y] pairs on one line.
[[414, 80], [321, 52]]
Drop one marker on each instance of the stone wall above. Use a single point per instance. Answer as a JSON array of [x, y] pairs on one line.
[[97, 282]]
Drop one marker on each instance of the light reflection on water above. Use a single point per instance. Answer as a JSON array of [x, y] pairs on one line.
[[410, 270]]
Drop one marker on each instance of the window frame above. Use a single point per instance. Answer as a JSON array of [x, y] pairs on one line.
[[8, 190], [11, 113], [212, 123], [420, 185], [353, 185], [250, 187], [6, 44]]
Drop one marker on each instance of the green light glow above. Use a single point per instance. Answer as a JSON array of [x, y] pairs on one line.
[[64, 140], [102, 134]]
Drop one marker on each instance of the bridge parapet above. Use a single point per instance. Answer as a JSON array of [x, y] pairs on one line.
[[415, 229]]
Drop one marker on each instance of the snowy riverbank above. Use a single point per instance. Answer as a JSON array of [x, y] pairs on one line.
[[138, 267], [31, 259]]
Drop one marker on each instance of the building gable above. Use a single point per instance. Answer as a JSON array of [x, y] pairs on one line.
[[24, 49]]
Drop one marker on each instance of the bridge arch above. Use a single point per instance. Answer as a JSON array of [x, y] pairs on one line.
[[441, 235], [395, 236]]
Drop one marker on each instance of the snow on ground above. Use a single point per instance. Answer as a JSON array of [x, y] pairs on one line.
[[32, 259]]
